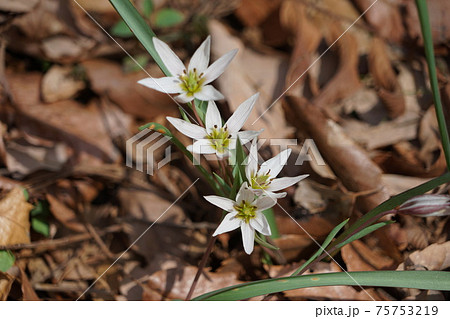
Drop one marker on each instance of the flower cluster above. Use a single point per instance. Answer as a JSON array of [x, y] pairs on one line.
[[214, 136]]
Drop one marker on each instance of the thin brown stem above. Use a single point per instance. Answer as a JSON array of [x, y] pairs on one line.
[[201, 266]]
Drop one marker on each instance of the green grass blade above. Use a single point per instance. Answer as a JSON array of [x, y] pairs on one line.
[[435, 280], [394, 202], [140, 28], [429, 54], [364, 232], [326, 242], [270, 216]]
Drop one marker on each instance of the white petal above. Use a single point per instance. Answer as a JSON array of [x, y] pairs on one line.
[[237, 120], [221, 202], [283, 182], [274, 195], [169, 58], [202, 146], [212, 117], [224, 154], [184, 98], [188, 129], [246, 136], [261, 224], [228, 223], [275, 164], [200, 59], [265, 202], [218, 67], [248, 237], [167, 85], [245, 194], [208, 93], [252, 163]]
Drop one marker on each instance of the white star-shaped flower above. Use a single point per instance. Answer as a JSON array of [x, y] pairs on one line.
[[263, 180], [193, 82], [246, 213], [216, 137]]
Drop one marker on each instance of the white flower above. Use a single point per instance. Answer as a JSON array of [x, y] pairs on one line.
[[217, 137], [263, 180], [246, 213], [192, 82]]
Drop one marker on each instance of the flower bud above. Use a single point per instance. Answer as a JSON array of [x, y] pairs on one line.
[[426, 205]]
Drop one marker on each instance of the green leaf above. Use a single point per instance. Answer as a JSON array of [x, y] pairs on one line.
[[429, 54], [264, 243], [435, 280], [184, 115], [200, 107], [140, 29], [147, 7], [325, 244], [364, 232], [222, 183], [156, 127], [168, 17], [39, 218], [120, 29], [130, 65], [240, 159], [270, 216], [7, 260]]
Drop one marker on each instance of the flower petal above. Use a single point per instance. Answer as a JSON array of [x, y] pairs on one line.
[[188, 129], [200, 59], [275, 164], [265, 202], [252, 162], [202, 146], [218, 67], [237, 120], [208, 93], [184, 98], [283, 182], [212, 117], [261, 224], [167, 85], [221, 202], [169, 58], [245, 194], [228, 223], [248, 237], [246, 136]]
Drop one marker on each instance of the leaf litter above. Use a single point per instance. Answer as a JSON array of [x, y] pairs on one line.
[[70, 102]]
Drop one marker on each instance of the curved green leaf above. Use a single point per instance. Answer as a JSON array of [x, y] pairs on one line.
[[436, 280]]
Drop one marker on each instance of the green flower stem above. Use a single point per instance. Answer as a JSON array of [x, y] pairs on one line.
[[140, 28], [429, 54]]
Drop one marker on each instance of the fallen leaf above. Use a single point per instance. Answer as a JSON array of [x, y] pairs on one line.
[[60, 83], [358, 257], [6, 282], [433, 257], [175, 283], [252, 12], [64, 214], [14, 218]]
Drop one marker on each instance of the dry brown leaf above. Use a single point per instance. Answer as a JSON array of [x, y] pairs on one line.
[[434, 257], [6, 282], [358, 257], [64, 214], [14, 218], [384, 17], [348, 161], [59, 83], [107, 78], [28, 293], [252, 12], [248, 73], [175, 283], [388, 87]]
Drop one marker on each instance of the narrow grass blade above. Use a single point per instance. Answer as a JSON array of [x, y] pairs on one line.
[[435, 280], [325, 244]]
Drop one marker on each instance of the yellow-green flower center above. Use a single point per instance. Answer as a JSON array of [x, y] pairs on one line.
[[260, 181], [219, 138], [191, 82], [246, 211]]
